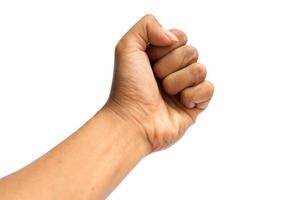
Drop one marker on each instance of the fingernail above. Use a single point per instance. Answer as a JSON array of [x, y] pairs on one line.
[[203, 105], [170, 35]]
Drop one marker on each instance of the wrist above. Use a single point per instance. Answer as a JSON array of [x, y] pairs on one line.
[[129, 133]]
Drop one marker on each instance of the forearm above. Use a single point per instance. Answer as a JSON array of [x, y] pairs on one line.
[[87, 165], [157, 92]]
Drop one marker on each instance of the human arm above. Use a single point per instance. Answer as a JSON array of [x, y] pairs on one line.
[[157, 92], [87, 165]]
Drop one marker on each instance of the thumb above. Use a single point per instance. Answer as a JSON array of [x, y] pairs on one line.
[[146, 31]]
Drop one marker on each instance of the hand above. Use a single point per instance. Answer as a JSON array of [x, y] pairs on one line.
[[157, 92], [157, 85]]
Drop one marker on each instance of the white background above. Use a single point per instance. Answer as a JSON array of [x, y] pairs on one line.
[[56, 62]]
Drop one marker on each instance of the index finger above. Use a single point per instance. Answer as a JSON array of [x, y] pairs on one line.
[[156, 52]]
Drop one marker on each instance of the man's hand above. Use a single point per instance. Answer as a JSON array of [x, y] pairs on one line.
[[158, 90], [158, 84]]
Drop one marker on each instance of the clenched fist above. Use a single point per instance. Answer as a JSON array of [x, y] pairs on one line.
[[158, 85], [157, 92]]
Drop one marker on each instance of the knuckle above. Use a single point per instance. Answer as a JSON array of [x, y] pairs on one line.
[[198, 71], [209, 88], [190, 54], [167, 85], [149, 17], [204, 70]]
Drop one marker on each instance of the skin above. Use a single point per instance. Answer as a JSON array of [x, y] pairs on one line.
[[157, 92]]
